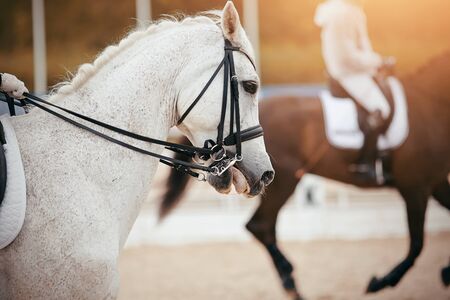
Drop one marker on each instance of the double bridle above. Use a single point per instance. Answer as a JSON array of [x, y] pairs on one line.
[[212, 150]]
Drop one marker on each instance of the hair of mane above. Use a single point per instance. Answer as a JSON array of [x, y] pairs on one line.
[[87, 70]]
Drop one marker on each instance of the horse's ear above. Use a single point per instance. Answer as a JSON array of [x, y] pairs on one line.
[[231, 24]]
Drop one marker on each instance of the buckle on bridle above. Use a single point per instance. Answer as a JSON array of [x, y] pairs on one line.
[[199, 160], [232, 48], [201, 177], [219, 154], [223, 165]]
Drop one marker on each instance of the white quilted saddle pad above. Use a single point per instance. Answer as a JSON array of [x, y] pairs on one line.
[[12, 209], [341, 121]]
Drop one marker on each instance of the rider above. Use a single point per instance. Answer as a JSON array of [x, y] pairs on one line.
[[12, 86], [351, 61]]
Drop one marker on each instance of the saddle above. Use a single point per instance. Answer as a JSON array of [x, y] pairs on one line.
[[3, 174], [12, 184]]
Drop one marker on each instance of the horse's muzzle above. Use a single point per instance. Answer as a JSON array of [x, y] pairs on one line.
[[267, 177]]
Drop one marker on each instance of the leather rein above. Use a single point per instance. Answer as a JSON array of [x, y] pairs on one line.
[[212, 150]]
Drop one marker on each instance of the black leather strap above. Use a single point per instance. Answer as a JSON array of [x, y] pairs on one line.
[[11, 105], [200, 95], [18, 103], [246, 135], [115, 141], [235, 113], [2, 135], [220, 126], [190, 149], [3, 166]]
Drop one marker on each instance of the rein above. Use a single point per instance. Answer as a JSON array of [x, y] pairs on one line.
[[211, 150]]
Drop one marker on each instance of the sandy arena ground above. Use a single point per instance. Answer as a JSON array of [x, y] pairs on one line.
[[325, 270]]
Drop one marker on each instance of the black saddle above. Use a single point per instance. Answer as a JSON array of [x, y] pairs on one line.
[[2, 164]]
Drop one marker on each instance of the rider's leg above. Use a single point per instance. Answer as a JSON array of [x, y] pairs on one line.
[[365, 91], [371, 125]]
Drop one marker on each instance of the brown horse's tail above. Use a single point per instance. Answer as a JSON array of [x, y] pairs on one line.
[[176, 186]]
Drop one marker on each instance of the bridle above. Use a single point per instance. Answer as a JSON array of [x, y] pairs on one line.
[[212, 150], [222, 161]]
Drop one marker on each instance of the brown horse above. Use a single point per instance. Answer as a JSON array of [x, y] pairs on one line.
[[295, 138]]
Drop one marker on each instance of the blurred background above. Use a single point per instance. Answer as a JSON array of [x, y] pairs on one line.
[[337, 236], [289, 42]]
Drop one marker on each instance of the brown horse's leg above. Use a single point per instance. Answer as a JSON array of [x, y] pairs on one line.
[[262, 226], [416, 204], [445, 275], [442, 194]]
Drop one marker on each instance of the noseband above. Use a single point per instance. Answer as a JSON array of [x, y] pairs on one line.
[[212, 150]]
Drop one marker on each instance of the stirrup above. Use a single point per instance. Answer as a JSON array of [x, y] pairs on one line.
[[368, 172], [363, 171], [379, 172]]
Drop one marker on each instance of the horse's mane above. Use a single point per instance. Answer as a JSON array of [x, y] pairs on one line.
[[87, 70]]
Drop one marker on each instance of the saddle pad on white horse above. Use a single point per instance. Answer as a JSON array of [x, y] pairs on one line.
[[341, 121], [12, 209]]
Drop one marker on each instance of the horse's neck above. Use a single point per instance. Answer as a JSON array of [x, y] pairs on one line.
[[428, 102], [137, 96], [134, 89], [428, 111], [428, 87]]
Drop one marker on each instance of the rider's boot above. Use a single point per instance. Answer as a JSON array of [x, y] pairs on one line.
[[364, 167]]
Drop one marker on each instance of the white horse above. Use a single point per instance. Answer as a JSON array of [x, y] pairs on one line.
[[85, 193]]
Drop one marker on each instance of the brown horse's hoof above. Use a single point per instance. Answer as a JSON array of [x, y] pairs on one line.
[[375, 285], [445, 276]]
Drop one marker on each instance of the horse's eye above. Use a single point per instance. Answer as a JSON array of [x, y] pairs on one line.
[[250, 86]]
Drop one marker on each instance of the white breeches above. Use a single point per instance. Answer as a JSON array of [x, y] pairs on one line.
[[364, 89]]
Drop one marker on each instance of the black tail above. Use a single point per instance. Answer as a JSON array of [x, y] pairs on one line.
[[176, 186]]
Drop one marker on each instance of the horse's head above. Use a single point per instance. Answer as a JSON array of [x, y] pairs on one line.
[[251, 174]]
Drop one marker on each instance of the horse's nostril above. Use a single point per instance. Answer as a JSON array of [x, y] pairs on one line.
[[267, 177]]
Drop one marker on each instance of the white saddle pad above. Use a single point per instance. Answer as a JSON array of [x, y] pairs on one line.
[[12, 209], [341, 121]]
